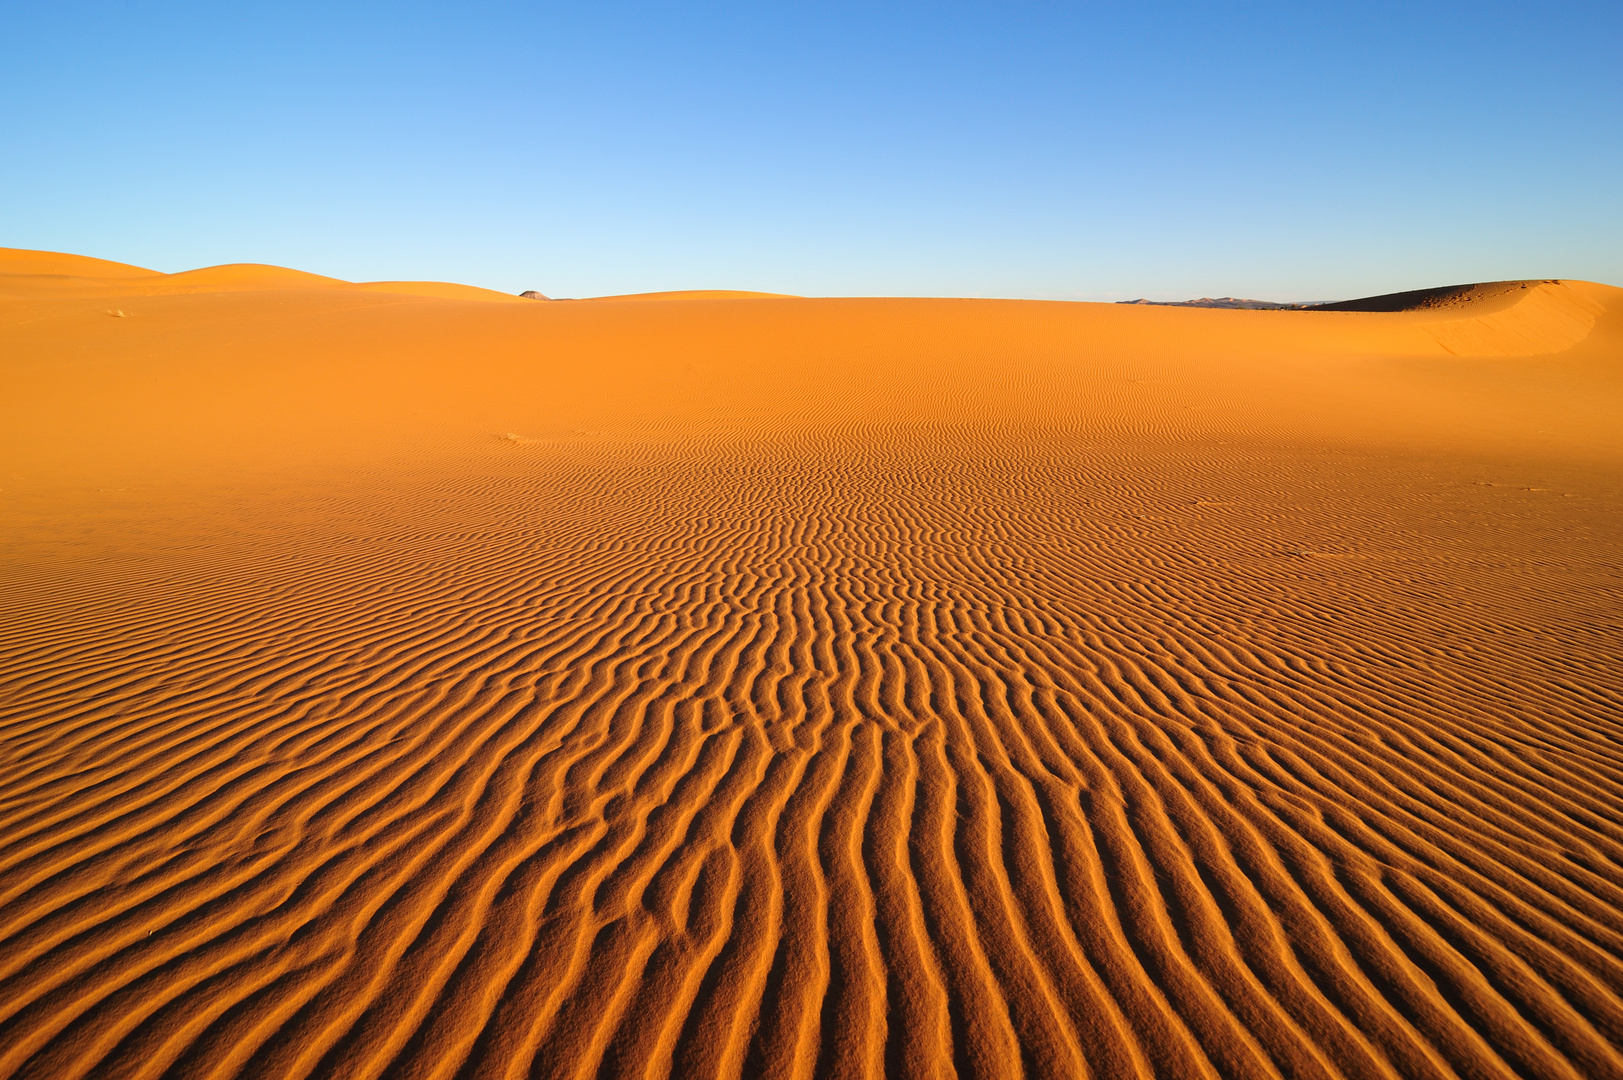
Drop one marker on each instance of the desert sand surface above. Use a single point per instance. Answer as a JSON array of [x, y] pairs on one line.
[[409, 680]]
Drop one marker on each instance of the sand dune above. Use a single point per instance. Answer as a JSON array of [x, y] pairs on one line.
[[702, 294], [399, 683]]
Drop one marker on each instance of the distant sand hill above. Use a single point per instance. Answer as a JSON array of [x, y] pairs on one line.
[[410, 680]]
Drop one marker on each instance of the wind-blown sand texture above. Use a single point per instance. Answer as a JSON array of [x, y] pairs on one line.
[[409, 680]]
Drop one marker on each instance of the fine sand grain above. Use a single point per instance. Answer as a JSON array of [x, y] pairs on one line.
[[408, 680]]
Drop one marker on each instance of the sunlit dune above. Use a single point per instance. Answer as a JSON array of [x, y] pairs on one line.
[[701, 294], [443, 290], [408, 679]]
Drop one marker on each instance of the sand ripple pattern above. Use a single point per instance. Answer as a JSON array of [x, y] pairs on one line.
[[875, 754]]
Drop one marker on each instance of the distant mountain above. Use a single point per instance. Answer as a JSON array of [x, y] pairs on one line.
[[1222, 302]]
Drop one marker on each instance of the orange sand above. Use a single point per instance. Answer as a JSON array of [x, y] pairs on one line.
[[405, 679]]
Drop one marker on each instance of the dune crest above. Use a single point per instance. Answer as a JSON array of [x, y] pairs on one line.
[[392, 685], [1550, 317], [441, 289], [701, 294], [23, 262], [45, 272]]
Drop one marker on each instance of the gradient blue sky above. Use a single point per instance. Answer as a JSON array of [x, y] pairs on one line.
[[1088, 151]]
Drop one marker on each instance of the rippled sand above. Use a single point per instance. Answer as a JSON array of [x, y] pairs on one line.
[[408, 680]]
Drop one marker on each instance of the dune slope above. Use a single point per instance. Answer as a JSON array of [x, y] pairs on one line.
[[409, 685]]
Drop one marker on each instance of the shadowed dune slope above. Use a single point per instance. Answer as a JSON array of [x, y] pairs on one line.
[[1431, 299], [398, 683]]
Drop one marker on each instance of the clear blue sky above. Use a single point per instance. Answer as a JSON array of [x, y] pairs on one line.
[[1068, 151]]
